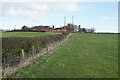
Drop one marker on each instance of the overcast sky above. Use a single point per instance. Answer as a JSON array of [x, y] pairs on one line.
[[103, 16]]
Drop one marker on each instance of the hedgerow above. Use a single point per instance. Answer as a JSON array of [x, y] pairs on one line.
[[12, 47]]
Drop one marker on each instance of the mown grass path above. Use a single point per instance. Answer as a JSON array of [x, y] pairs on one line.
[[81, 56]]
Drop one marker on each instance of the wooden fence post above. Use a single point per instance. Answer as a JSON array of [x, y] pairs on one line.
[[7, 63], [47, 47], [3, 74], [4, 64], [33, 49], [23, 55]]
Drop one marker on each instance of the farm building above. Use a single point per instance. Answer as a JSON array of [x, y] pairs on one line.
[[42, 28], [48, 28], [61, 29], [64, 28], [57, 29]]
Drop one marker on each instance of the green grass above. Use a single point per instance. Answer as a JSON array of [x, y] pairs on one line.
[[26, 34], [81, 56]]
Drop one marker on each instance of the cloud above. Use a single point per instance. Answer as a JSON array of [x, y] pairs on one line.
[[23, 12], [2, 18], [109, 18], [71, 7], [38, 6], [68, 7], [29, 10], [33, 10]]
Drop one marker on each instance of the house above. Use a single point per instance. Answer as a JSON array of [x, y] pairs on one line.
[[61, 29], [42, 28], [57, 29], [64, 28], [48, 28]]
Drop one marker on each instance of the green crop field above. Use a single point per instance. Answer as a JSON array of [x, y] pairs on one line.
[[81, 56], [26, 34]]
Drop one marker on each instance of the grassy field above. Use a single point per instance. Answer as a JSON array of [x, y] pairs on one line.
[[81, 56], [26, 34]]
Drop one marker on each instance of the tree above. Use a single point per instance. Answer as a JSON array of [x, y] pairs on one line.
[[25, 28], [88, 30], [71, 27], [53, 26], [91, 30], [84, 30]]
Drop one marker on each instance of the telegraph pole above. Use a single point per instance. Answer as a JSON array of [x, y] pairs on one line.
[[73, 22], [15, 27], [72, 19], [64, 21]]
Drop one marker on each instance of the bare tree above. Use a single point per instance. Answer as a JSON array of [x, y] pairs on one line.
[[91, 30]]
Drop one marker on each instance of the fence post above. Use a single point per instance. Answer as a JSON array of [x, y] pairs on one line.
[[4, 64], [47, 47], [8, 63], [23, 55], [4, 67], [33, 49]]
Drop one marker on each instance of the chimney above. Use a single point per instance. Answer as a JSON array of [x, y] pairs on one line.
[[53, 26], [79, 28]]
